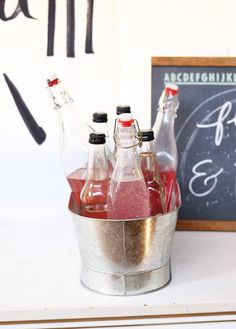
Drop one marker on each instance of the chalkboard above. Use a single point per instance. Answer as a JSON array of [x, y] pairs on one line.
[[205, 130]]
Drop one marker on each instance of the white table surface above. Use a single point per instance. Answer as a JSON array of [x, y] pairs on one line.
[[39, 276]]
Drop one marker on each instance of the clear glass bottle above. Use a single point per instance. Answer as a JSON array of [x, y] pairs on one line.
[[99, 123], [121, 109], [149, 166], [165, 144], [129, 197], [93, 198], [73, 140]]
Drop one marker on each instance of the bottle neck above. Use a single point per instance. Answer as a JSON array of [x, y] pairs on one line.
[[127, 157], [168, 103], [126, 137], [59, 95], [127, 145], [148, 159], [97, 168], [69, 127], [166, 113], [127, 166], [72, 129], [147, 147], [165, 119], [66, 114], [101, 127], [165, 143]]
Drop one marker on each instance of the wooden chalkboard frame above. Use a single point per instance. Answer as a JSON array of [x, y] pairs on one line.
[[199, 225]]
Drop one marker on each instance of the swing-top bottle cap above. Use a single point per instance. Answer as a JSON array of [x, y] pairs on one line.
[[172, 89], [100, 117], [147, 135], [58, 92], [122, 109], [53, 81], [126, 119], [97, 138]]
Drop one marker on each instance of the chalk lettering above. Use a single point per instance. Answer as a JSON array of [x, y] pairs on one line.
[[224, 112], [199, 174]]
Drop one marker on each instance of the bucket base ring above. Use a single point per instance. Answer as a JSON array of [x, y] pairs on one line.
[[120, 284]]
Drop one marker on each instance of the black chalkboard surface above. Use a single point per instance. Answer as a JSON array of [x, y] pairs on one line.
[[205, 130]]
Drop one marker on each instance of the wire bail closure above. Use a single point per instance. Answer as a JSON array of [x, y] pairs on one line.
[[61, 98], [138, 135]]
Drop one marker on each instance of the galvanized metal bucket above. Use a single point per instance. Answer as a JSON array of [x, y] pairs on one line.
[[125, 257]]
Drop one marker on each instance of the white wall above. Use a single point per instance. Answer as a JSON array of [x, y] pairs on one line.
[[31, 176], [169, 28], [127, 33]]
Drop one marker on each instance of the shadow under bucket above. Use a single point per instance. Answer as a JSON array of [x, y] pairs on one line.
[[124, 257]]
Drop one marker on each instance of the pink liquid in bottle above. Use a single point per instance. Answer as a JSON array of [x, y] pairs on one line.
[[154, 192], [94, 199], [76, 181], [168, 178], [178, 195], [131, 200]]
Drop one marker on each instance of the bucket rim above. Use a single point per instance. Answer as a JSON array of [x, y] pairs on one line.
[[122, 220]]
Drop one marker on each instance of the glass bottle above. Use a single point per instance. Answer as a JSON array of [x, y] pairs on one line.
[[121, 109], [129, 197], [149, 166], [93, 197], [72, 133], [165, 144], [99, 123]]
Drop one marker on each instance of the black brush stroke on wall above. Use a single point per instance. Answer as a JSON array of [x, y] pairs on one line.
[[35, 130], [89, 28], [70, 33], [22, 6], [51, 26], [70, 36]]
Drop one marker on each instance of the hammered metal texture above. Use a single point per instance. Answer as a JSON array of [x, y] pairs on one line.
[[119, 253]]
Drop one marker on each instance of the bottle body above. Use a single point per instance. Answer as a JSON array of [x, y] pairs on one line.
[[129, 194], [166, 151], [149, 166], [72, 134], [129, 197], [76, 180], [165, 145], [93, 197]]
